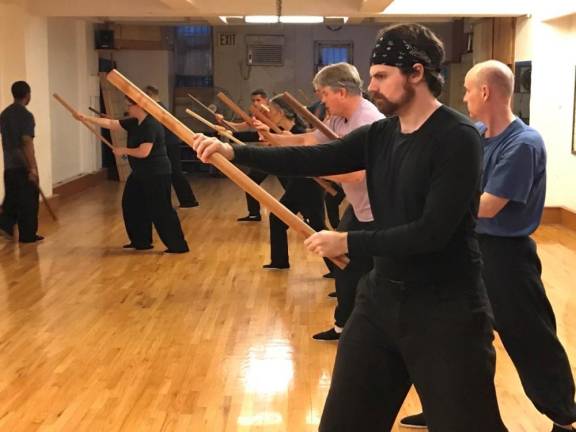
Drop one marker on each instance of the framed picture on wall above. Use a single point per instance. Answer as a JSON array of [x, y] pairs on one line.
[[574, 118]]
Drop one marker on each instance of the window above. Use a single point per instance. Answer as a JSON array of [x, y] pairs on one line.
[[193, 56], [330, 52]]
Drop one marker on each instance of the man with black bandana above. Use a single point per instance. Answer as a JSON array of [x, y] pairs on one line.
[[421, 315]]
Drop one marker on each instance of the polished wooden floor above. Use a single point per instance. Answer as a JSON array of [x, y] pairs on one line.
[[97, 338]]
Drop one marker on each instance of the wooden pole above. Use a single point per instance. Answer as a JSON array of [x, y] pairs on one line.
[[264, 119], [212, 113], [98, 113], [308, 116], [219, 161], [242, 114], [214, 127], [234, 107], [73, 112], [304, 95], [45, 201], [201, 104], [267, 135]]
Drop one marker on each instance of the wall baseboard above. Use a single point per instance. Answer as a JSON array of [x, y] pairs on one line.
[[79, 184], [560, 216], [69, 188]]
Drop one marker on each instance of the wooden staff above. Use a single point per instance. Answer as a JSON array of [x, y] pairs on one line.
[[213, 126], [74, 112], [212, 113], [308, 116], [267, 135], [264, 119], [325, 184], [234, 107], [264, 108], [306, 98], [218, 160], [242, 114], [98, 113], [44, 199]]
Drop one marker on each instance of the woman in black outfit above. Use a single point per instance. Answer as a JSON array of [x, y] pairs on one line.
[[146, 199]]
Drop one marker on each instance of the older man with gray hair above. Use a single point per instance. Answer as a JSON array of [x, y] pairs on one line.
[[340, 88]]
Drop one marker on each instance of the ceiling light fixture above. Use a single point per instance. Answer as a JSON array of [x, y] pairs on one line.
[[336, 19], [261, 19], [301, 19]]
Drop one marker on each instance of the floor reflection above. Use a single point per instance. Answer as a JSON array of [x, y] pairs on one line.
[[267, 372], [269, 368]]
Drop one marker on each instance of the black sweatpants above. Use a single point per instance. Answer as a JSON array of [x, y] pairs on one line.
[[438, 337], [253, 204], [179, 181], [346, 280], [20, 204], [146, 201], [526, 324], [302, 196], [333, 204]]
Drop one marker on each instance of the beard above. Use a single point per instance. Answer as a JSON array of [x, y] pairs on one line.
[[390, 108]]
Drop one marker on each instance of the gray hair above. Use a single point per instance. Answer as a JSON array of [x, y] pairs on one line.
[[339, 75]]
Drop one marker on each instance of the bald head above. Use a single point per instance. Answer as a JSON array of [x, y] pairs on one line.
[[495, 75]]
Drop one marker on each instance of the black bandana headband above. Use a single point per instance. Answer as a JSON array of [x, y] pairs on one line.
[[399, 53]]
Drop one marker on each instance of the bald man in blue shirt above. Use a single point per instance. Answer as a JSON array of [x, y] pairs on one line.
[[511, 205]]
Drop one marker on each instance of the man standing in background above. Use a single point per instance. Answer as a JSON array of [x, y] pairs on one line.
[[20, 204]]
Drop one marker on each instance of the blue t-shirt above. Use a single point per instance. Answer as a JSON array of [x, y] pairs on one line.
[[515, 169]]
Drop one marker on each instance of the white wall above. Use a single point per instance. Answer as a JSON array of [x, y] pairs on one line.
[[24, 56], [550, 46], [230, 69], [148, 67], [73, 75], [52, 55]]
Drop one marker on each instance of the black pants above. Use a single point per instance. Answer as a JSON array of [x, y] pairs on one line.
[[333, 205], [253, 204], [179, 181], [302, 196], [347, 279], [147, 201], [526, 324], [437, 337], [20, 204]]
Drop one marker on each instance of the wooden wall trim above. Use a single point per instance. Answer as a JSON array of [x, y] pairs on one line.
[[79, 184], [559, 215]]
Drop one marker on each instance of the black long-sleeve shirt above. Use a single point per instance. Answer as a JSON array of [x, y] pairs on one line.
[[424, 191]]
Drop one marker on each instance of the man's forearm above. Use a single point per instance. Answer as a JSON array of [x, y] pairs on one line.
[[29, 154]]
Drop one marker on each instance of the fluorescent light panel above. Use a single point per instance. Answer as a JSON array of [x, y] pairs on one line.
[[287, 19], [301, 19], [261, 19]]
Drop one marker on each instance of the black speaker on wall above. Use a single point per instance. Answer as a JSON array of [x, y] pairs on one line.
[[104, 39]]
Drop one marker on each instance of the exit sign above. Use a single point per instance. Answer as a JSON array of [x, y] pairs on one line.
[[227, 39]]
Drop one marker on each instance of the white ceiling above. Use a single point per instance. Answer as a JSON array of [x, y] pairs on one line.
[[181, 10]]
